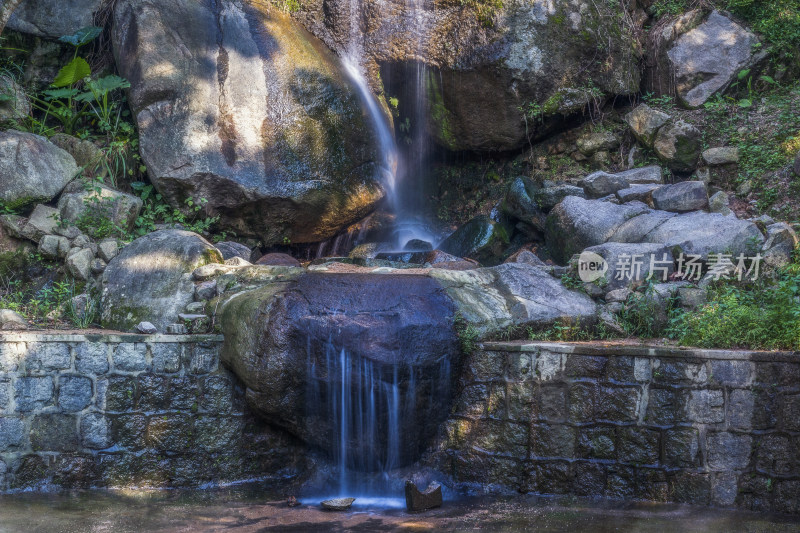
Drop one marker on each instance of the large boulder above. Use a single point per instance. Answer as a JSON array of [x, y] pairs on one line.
[[633, 264], [681, 197], [707, 59], [481, 238], [238, 105], [95, 204], [397, 334], [151, 279], [53, 18], [576, 224], [490, 59], [32, 169]]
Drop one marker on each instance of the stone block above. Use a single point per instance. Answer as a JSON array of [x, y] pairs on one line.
[[581, 402], [728, 451], [74, 393], [203, 359], [552, 402], [618, 404], [184, 393], [12, 433], [724, 488], [638, 446], [95, 431], [130, 357], [590, 479], [548, 365], [775, 455], [519, 400], [584, 366], [11, 355], [173, 433], [47, 356], [552, 441], [217, 394], [32, 393], [218, 434], [681, 448], [54, 433], [777, 374], [91, 358], [5, 394], [679, 372], [121, 393], [665, 406], [734, 373], [740, 409], [690, 487], [706, 406], [154, 392], [620, 369], [551, 477], [129, 431], [620, 482], [789, 411], [487, 366], [472, 401], [597, 443], [166, 357]]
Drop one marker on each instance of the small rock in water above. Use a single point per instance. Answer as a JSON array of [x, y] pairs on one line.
[[418, 245], [292, 502], [422, 501], [146, 328], [338, 504]]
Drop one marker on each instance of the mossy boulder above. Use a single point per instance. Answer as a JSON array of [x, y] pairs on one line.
[[151, 279], [239, 105]]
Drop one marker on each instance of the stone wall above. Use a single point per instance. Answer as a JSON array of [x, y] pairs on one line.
[[665, 424], [81, 411]]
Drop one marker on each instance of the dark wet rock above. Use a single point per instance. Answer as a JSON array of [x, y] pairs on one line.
[[273, 134], [645, 122], [418, 245], [230, 249], [681, 197], [678, 144], [278, 259], [549, 197], [707, 59], [481, 238], [337, 504], [520, 204], [151, 279], [417, 500], [32, 169]]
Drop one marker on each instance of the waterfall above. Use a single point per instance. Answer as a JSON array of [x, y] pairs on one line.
[[409, 225], [370, 409]]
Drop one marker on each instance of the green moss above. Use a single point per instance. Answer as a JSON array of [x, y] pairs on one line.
[[439, 112]]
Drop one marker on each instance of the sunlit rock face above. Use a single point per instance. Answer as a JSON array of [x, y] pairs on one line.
[[239, 105], [487, 63]]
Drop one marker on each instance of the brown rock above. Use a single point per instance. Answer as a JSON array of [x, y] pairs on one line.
[[417, 500]]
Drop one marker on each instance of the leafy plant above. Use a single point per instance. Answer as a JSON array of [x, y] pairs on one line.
[[157, 210]]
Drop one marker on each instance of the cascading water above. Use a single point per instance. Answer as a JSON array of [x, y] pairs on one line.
[[366, 405], [408, 225]]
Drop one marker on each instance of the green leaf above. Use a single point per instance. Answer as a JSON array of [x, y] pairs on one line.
[[744, 102], [109, 83], [55, 94], [75, 71], [82, 36], [769, 79], [743, 74]]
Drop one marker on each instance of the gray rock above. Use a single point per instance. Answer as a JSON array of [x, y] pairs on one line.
[[151, 278], [70, 232], [520, 204], [706, 233], [43, 221], [707, 59], [640, 193], [205, 290], [235, 141], [681, 197], [629, 264], [54, 18], [592, 143], [79, 263], [53, 246], [337, 504], [14, 103], [11, 320], [645, 122], [576, 224], [230, 249], [98, 201], [417, 500], [692, 297], [196, 308], [601, 184], [797, 164], [146, 328], [618, 295], [549, 197], [726, 155], [781, 243], [74, 393], [237, 262], [98, 266], [643, 176], [745, 188], [678, 144], [177, 329], [107, 249], [720, 203], [32, 169], [87, 154]]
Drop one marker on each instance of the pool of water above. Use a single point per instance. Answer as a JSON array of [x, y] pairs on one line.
[[251, 510]]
